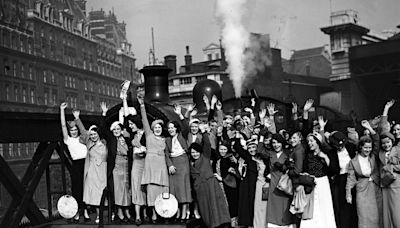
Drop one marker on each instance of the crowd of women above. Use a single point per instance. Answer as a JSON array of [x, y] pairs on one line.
[[239, 170]]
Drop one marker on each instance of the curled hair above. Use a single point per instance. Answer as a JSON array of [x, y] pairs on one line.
[[136, 120], [197, 147], [363, 141], [176, 125]]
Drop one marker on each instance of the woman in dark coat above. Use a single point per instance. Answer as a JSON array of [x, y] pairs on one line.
[[278, 213], [226, 165], [210, 198], [342, 152], [247, 187]]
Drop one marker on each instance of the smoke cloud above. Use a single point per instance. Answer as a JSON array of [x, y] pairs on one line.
[[235, 39], [247, 55]]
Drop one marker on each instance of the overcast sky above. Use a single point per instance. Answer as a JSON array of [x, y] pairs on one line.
[[292, 24]]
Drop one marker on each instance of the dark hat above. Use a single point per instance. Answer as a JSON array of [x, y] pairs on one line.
[[279, 138], [338, 139]]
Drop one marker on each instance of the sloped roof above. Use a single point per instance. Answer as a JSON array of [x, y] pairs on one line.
[[312, 62], [307, 80], [211, 46]]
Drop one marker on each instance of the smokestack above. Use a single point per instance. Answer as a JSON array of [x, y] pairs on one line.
[[188, 59], [156, 83], [170, 62]]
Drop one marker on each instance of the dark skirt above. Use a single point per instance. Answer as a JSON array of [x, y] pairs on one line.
[[77, 171], [232, 197], [212, 204], [179, 182], [345, 213]]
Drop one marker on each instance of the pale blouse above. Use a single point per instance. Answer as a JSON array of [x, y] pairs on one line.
[[344, 160], [176, 149], [365, 165]]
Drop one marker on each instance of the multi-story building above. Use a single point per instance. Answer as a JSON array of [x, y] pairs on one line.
[[365, 67], [48, 55], [274, 81]]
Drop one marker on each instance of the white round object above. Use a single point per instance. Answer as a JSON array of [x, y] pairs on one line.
[[166, 205], [67, 206]]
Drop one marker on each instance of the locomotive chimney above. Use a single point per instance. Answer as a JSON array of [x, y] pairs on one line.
[[156, 83]]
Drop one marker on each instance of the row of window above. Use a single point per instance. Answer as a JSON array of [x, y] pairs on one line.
[[187, 80], [17, 151]]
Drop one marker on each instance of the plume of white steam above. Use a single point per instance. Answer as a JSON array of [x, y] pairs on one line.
[[247, 55], [257, 55], [235, 39]]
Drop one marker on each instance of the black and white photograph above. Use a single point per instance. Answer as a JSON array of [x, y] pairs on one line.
[[199, 113]]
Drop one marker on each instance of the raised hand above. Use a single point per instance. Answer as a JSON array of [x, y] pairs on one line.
[[193, 112], [366, 124], [103, 107], [321, 122], [206, 102], [253, 102], [389, 104], [247, 109], [178, 109], [294, 108], [262, 114], [307, 106], [63, 106], [271, 109], [76, 113]]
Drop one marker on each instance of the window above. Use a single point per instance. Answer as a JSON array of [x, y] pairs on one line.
[[54, 97], [24, 95], [30, 72], [15, 69], [16, 93], [209, 57], [85, 85], [217, 56], [46, 97], [185, 80], [6, 66], [44, 76], [170, 82], [201, 78], [7, 92], [23, 70], [53, 80], [32, 96]]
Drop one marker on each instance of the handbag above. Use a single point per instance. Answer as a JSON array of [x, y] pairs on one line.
[[387, 178], [285, 184], [230, 180], [265, 192]]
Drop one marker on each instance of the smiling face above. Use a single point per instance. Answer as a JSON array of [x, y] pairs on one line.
[[73, 131], [194, 128], [252, 149], [117, 131], [94, 136], [295, 140], [195, 154], [366, 149], [132, 126], [223, 150], [276, 145], [386, 144], [396, 131], [312, 143], [171, 129], [157, 130]]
